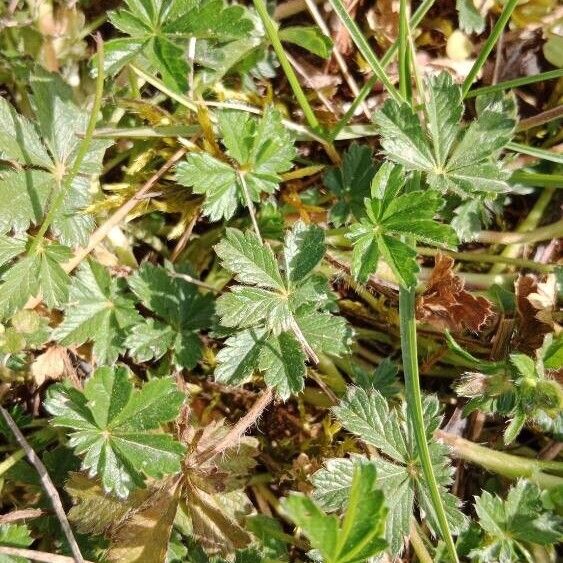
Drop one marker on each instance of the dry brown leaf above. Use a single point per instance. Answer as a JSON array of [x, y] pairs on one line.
[[54, 363], [531, 330], [215, 519], [143, 536], [446, 304], [544, 300]]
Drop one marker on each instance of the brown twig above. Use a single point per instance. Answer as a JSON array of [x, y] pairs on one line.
[[16, 515], [238, 430], [47, 484], [43, 556], [554, 230], [181, 244], [540, 118], [101, 232]]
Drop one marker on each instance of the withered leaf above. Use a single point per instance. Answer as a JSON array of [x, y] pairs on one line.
[[447, 305], [531, 329], [138, 528], [143, 535], [54, 363], [216, 519]]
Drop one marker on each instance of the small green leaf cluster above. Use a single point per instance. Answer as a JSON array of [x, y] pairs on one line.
[[279, 312], [41, 161], [399, 474], [159, 32], [389, 215], [460, 160], [511, 527], [104, 310], [257, 151], [114, 427], [358, 535], [519, 388]]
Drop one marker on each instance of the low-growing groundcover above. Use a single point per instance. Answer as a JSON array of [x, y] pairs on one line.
[[280, 282]]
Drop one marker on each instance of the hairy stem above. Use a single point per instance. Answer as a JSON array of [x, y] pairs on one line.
[[407, 318], [238, 430], [507, 465]]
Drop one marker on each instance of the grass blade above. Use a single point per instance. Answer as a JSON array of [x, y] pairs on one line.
[[489, 44]]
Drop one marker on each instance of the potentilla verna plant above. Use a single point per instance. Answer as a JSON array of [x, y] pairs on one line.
[[280, 282]]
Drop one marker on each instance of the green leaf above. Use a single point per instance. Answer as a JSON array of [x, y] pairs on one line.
[[14, 535], [367, 415], [260, 149], [401, 258], [20, 140], [512, 525], [325, 332], [464, 161], [283, 363], [160, 31], [304, 249], [350, 183], [114, 427], [213, 178], [332, 482], [358, 535], [281, 321], [26, 194], [250, 260], [388, 217], [310, 38], [37, 274], [149, 340], [470, 18], [238, 359], [182, 309], [99, 310]]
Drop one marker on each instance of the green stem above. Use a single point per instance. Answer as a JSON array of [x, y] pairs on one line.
[[515, 83], [537, 179], [404, 66], [529, 224], [407, 297], [417, 543], [64, 184], [489, 44], [507, 465], [272, 32], [490, 258], [387, 58], [542, 154], [364, 48]]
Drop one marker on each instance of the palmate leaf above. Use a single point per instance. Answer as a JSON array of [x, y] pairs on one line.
[[181, 310], [367, 415], [14, 535], [512, 525], [50, 146], [464, 161], [35, 274], [388, 216], [114, 427], [159, 31], [358, 535], [98, 310], [350, 183], [261, 148], [280, 310]]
